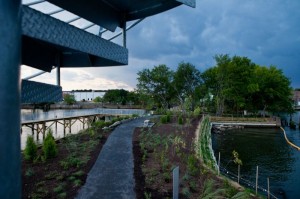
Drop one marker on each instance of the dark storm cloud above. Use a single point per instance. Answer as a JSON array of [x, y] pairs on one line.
[[267, 32]]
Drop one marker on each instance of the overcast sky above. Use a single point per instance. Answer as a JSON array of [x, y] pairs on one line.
[[265, 31]]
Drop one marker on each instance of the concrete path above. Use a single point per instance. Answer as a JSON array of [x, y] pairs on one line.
[[112, 175]]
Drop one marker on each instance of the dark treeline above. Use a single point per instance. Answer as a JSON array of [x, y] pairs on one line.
[[233, 85]]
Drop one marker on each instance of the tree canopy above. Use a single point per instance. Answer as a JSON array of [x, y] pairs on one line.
[[233, 85], [238, 84]]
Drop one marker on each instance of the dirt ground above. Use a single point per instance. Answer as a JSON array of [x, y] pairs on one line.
[[62, 176]]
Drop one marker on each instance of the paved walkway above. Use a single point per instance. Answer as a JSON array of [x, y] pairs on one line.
[[112, 175]]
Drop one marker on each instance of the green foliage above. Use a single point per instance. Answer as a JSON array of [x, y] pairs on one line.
[[97, 99], [238, 84], [74, 161], [121, 96], [29, 172], [186, 192], [147, 195], [192, 165], [164, 119], [236, 159], [197, 112], [30, 151], [180, 120], [60, 188], [49, 146], [186, 79], [156, 84], [169, 114], [69, 99], [77, 182]]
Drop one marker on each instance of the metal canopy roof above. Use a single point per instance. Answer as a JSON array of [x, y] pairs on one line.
[[111, 14], [68, 33]]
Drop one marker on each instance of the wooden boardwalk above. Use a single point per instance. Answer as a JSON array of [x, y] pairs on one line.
[[38, 126]]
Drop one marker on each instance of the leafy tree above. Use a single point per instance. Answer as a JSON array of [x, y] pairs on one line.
[[98, 99], [186, 79], [69, 99], [273, 93], [238, 84], [156, 83], [117, 96]]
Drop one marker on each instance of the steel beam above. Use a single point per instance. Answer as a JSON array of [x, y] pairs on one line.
[[10, 53]]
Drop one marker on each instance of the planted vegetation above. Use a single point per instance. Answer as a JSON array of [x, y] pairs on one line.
[[59, 168], [158, 150]]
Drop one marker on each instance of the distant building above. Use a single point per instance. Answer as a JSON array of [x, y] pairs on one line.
[[296, 97], [85, 95]]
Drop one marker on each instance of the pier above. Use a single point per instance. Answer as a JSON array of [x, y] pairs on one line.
[[41, 122]]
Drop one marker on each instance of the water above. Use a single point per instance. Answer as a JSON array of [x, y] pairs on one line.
[[267, 149], [30, 115]]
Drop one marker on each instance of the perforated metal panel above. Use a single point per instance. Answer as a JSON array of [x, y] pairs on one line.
[[36, 92], [60, 41]]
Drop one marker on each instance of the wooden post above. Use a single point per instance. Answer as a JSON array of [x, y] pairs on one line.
[[239, 167], [55, 126], [44, 129], [37, 131], [219, 163], [70, 124], [268, 188], [64, 127], [32, 129], [256, 184]]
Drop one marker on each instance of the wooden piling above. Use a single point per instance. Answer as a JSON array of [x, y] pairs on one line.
[[219, 163], [256, 184]]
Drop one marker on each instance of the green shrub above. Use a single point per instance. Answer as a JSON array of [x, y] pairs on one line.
[[192, 165], [169, 114], [197, 111], [164, 119], [49, 146], [180, 120], [98, 124], [30, 151], [69, 99]]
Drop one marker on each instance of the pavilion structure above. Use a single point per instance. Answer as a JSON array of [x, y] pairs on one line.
[[44, 35]]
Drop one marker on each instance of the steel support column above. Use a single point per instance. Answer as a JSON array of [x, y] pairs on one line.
[[58, 69], [10, 53], [58, 75], [124, 33]]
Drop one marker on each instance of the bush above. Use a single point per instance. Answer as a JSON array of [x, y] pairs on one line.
[[169, 114], [164, 119], [49, 146], [180, 120], [192, 165], [69, 99], [197, 111], [30, 151]]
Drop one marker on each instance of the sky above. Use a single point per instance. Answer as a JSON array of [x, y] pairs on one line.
[[265, 31]]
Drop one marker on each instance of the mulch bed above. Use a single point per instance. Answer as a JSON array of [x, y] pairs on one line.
[[163, 188], [50, 179]]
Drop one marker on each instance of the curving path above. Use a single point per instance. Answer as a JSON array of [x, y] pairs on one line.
[[112, 175]]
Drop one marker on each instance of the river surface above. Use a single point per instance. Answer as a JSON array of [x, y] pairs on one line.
[[30, 115], [267, 149]]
